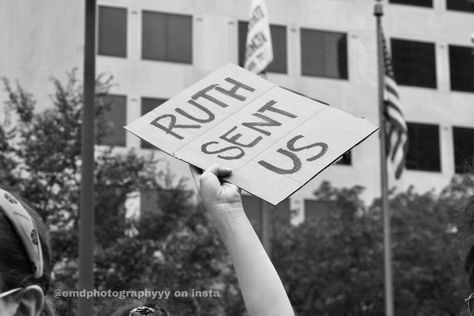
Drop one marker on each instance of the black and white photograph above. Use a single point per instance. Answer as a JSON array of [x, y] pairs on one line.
[[237, 158]]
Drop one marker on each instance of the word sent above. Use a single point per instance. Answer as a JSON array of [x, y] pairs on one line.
[[233, 135]]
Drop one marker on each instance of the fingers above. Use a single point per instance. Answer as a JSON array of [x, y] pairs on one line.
[[209, 176], [219, 171]]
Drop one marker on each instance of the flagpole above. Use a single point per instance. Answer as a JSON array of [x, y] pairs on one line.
[[388, 280], [86, 219]]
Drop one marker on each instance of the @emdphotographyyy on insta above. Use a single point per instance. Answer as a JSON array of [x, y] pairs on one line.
[[138, 294]]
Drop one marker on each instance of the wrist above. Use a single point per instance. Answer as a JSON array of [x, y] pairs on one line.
[[225, 216]]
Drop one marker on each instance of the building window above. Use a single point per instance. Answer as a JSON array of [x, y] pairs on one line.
[[167, 37], [423, 147], [115, 118], [414, 63], [278, 34], [345, 159], [319, 210], [419, 3], [463, 139], [461, 5], [461, 65], [252, 206], [149, 202], [149, 104], [323, 54], [112, 31]]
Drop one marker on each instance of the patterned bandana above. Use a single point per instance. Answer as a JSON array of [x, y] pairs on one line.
[[25, 227]]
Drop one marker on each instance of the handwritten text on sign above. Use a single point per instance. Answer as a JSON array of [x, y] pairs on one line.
[[274, 140]]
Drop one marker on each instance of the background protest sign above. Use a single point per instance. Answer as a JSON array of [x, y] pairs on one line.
[[273, 139], [258, 47]]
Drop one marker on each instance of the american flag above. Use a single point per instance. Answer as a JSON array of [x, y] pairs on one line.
[[396, 131]]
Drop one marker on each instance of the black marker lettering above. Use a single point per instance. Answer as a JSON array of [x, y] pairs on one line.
[[294, 159], [240, 152], [210, 115], [233, 139], [256, 42], [171, 125], [268, 122], [233, 92], [324, 147], [257, 15], [203, 94], [269, 107]]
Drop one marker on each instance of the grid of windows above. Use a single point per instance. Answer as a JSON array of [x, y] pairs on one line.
[[323, 54], [112, 35], [423, 153], [278, 34], [463, 139], [461, 65], [414, 63], [460, 5], [149, 104], [423, 147], [115, 119], [420, 3], [167, 37]]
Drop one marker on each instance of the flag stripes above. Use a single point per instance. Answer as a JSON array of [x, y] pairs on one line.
[[396, 131]]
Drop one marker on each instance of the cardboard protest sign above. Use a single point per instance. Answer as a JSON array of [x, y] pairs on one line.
[[273, 139]]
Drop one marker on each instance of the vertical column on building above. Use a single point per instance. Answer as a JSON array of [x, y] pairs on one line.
[[134, 49]]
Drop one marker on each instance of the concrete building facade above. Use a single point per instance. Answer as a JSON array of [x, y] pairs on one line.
[[326, 49]]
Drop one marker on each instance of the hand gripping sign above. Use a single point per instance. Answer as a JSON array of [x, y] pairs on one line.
[[274, 140]]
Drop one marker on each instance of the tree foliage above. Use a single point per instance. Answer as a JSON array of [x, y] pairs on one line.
[[171, 247], [330, 265], [334, 265]]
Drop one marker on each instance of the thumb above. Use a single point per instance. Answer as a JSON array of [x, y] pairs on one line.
[[209, 181]]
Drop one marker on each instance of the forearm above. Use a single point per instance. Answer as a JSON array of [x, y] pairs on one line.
[[261, 287]]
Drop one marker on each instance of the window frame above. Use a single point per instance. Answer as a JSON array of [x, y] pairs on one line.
[[147, 55], [459, 167], [450, 8], [101, 20], [469, 69], [241, 40], [143, 143], [345, 74], [437, 167], [411, 4], [122, 135], [320, 209], [412, 81]]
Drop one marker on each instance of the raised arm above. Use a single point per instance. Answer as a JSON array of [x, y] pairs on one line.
[[261, 286]]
